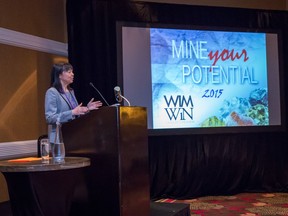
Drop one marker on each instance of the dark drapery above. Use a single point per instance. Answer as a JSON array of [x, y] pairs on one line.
[[181, 166], [193, 166]]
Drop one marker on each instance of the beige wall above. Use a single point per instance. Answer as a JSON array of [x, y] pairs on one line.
[[25, 76], [43, 18], [25, 73]]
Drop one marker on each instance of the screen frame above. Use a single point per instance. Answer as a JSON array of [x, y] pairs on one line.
[[208, 130]]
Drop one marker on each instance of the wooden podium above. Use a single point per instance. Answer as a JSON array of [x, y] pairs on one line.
[[116, 141]]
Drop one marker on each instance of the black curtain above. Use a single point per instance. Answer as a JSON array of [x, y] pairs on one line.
[[192, 165]]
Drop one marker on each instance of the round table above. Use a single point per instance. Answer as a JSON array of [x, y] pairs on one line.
[[42, 189]]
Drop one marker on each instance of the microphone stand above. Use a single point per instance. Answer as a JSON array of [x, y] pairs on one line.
[[91, 84]]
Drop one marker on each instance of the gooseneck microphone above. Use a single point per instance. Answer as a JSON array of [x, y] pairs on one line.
[[119, 96], [91, 84]]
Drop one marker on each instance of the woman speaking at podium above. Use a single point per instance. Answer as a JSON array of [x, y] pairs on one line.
[[60, 101]]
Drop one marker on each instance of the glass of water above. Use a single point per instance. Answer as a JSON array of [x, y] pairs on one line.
[[45, 150]]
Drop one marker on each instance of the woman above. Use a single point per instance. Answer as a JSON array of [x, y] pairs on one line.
[[60, 101]]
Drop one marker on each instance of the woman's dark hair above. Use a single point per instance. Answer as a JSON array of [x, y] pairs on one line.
[[58, 69]]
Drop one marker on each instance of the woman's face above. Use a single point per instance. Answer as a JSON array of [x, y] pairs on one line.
[[66, 77]]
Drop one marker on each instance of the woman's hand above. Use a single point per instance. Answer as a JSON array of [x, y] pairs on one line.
[[92, 105], [80, 110]]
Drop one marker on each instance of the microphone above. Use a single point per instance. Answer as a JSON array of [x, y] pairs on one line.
[[117, 92], [91, 84], [119, 96]]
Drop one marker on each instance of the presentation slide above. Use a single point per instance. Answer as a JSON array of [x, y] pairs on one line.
[[189, 78], [208, 78]]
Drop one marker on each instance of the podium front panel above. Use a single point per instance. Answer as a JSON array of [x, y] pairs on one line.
[[116, 141]]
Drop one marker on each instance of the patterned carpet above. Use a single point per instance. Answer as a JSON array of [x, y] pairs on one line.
[[244, 204]]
